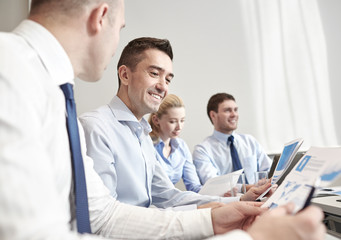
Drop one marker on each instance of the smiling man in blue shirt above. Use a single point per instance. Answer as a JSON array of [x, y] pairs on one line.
[[213, 157], [117, 135]]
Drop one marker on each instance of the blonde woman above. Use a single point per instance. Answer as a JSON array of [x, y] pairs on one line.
[[174, 155]]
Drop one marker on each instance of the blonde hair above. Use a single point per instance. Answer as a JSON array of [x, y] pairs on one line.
[[170, 101]]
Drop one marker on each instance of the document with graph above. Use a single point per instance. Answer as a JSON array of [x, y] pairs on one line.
[[318, 166], [288, 153]]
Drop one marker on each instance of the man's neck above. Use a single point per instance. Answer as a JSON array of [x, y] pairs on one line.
[[125, 99]]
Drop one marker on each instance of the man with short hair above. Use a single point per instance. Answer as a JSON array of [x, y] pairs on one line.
[[61, 40], [117, 135], [214, 156]]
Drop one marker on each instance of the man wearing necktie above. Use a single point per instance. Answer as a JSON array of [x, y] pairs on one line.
[[225, 150], [62, 40]]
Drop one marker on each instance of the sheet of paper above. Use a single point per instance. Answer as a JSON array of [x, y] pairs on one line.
[[217, 186], [317, 163], [329, 191]]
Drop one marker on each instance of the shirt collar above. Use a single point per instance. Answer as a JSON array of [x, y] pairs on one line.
[[173, 142], [51, 53], [123, 114], [221, 136]]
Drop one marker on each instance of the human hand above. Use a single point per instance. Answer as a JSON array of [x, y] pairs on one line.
[[248, 186], [272, 190], [280, 224], [235, 215], [211, 205], [262, 182], [231, 193], [253, 193]]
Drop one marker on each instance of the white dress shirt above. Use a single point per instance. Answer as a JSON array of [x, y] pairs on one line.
[[212, 157], [35, 164]]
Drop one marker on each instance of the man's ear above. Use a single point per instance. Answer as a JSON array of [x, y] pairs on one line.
[[123, 73], [97, 17], [212, 115], [155, 119]]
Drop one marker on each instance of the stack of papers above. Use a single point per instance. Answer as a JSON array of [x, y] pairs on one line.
[[321, 164]]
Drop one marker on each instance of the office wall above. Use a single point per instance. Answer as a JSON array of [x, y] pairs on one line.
[[12, 12], [209, 54], [209, 57], [331, 18]]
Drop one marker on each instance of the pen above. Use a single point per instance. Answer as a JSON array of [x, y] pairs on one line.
[[311, 193], [310, 196]]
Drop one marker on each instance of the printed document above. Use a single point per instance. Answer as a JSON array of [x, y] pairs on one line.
[[321, 164], [217, 186]]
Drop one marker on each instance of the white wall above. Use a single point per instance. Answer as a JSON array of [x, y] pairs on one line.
[[11, 13], [331, 19], [209, 57], [209, 54]]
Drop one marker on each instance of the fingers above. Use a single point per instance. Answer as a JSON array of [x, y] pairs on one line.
[[320, 232], [310, 220], [254, 204], [283, 210], [251, 208], [262, 181], [312, 211], [262, 188], [272, 190], [228, 194]]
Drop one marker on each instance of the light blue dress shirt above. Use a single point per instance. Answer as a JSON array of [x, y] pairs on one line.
[[213, 158], [125, 158], [179, 164]]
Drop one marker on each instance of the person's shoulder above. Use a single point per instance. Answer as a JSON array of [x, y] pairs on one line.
[[245, 136], [95, 117], [248, 139], [14, 51], [181, 141], [9, 42], [207, 143]]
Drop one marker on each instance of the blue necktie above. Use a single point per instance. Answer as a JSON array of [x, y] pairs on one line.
[[235, 159], [82, 210]]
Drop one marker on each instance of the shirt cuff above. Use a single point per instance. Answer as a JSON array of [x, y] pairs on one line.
[[203, 221]]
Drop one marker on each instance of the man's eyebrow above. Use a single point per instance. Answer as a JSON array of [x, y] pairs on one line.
[[161, 70]]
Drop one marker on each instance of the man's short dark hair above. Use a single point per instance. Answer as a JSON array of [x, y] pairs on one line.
[[133, 53], [215, 100], [67, 7]]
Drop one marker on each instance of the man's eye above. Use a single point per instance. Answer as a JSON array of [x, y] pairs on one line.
[[154, 73]]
